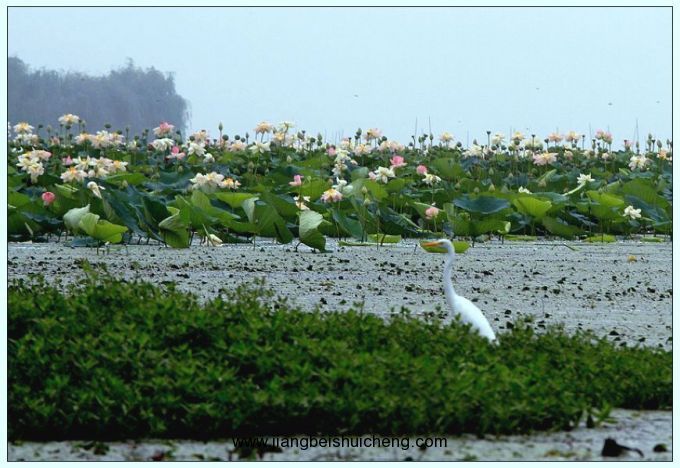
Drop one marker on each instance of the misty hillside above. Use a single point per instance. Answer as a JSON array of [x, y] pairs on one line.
[[129, 96]]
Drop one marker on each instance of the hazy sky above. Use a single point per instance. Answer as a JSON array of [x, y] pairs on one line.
[[332, 70]]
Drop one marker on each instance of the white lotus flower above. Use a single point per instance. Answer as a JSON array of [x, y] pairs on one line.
[[263, 127], [383, 174], [73, 174], [638, 162], [195, 148], [632, 213], [584, 179], [69, 119], [23, 127], [163, 144], [431, 179], [260, 148]]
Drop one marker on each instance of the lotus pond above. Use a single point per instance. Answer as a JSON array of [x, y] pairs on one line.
[[111, 187]]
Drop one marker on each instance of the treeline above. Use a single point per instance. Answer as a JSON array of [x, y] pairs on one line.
[[127, 97]]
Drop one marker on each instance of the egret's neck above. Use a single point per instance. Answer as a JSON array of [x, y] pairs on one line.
[[448, 285]]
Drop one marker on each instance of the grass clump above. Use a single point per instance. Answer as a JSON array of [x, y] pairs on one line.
[[114, 359]]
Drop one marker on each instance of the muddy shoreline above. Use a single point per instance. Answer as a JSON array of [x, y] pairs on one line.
[[621, 290]]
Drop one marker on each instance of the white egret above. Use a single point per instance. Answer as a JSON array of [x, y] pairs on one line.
[[459, 305]]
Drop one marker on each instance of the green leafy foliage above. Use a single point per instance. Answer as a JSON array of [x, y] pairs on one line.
[[124, 359]]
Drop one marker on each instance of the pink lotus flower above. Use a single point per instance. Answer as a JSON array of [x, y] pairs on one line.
[[331, 151], [163, 128], [297, 181], [331, 195], [48, 198], [543, 159], [422, 170], [176, 153], [67, 161], [397, 161], [431, 212]]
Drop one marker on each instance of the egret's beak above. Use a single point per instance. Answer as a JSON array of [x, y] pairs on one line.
[[431, 244]]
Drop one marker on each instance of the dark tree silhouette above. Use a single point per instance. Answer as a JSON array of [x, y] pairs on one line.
[[128, 97]]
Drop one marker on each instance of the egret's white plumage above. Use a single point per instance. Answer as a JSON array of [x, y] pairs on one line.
[[459, 305]]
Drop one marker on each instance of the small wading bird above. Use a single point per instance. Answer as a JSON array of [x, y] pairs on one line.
[[459, 305]]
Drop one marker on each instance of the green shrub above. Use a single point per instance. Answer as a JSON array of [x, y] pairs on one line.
[[115, 359]]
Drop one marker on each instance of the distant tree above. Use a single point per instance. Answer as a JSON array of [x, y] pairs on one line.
[[127, 97]]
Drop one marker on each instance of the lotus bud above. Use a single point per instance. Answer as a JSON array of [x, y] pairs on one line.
[[476, 190], [364, 190], [125, 184], [658, 143], [542, 183], [492, 188], [220, 127], [457, 186], [289, 159], [180, 169], [367, 201]]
